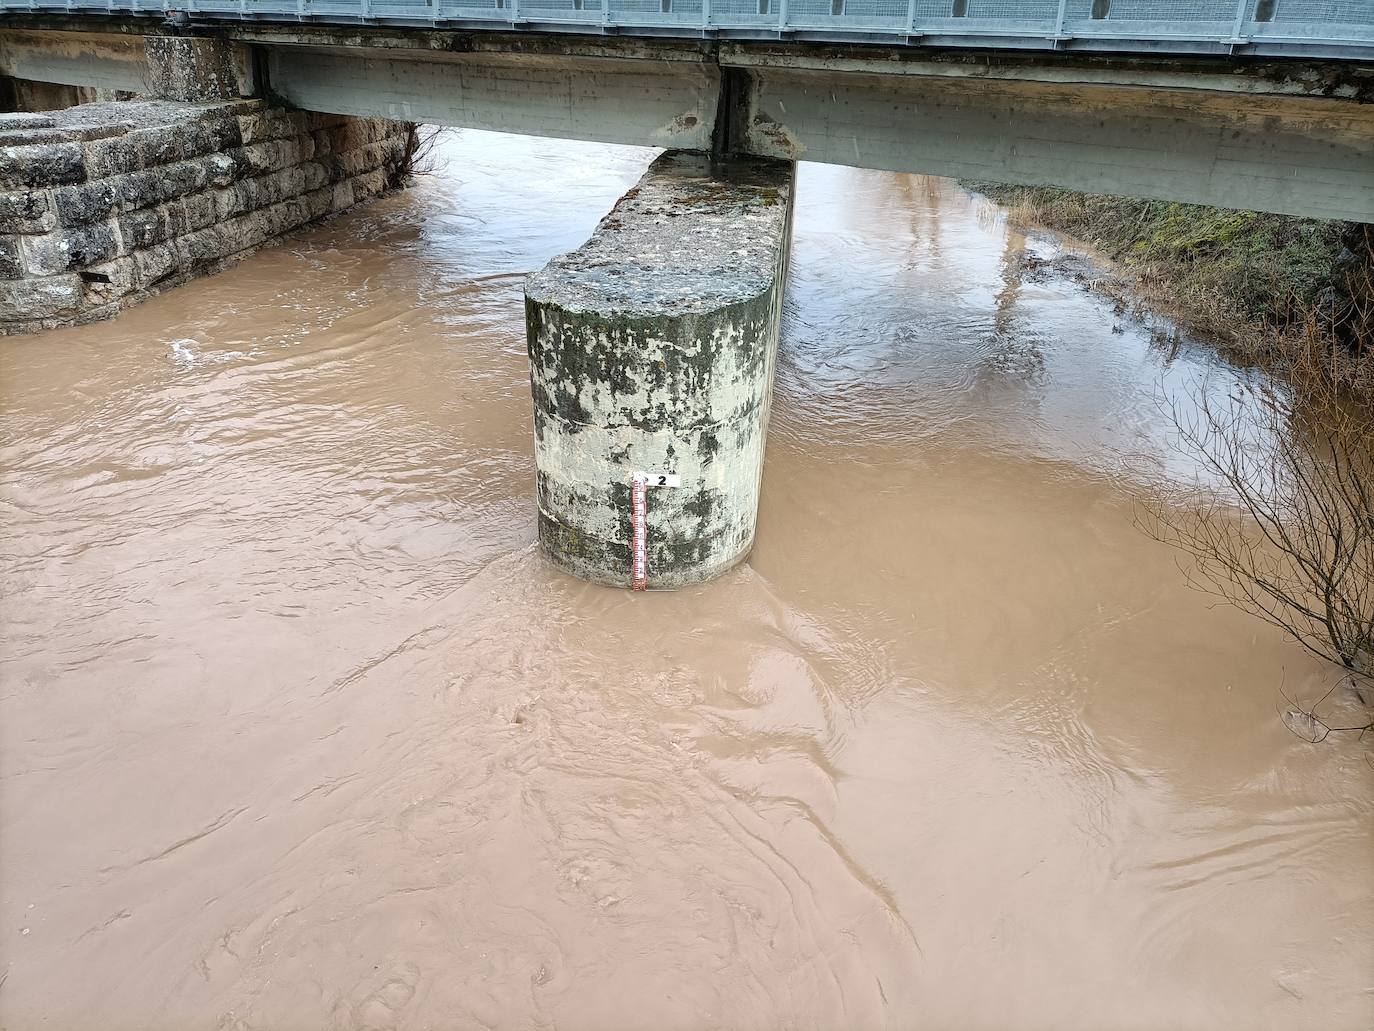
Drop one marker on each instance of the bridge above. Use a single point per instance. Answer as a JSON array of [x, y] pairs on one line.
[[652, 347], [1259, 104]]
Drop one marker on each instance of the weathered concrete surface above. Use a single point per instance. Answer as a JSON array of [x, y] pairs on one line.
[[652, 350], [103, 204], [639, 102], [105, 60], [1268, 152], [191, 69], [182, 68]]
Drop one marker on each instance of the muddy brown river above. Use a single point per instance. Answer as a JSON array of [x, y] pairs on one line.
[[299, 731]]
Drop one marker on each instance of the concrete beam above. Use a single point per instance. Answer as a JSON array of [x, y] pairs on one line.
[[1309, 77], [1323, 80], [1295, 138], [652, 103], [1292, 155], [181, 68], [114, 61]]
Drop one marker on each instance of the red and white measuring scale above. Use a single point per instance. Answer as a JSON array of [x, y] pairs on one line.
[[639, 522]]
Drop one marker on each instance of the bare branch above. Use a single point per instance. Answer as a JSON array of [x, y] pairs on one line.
[[1280, 521]]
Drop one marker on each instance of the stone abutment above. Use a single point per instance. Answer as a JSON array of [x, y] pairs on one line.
[[103, 204]]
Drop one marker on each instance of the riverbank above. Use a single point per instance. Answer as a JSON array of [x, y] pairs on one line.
[[1273, 290]]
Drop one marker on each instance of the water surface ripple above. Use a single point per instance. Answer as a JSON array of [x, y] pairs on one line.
[[300, 732]]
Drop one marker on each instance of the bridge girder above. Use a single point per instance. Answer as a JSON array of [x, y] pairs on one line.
[[1294, 138]]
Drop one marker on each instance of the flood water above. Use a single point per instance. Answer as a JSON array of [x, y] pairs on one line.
[[299, 731]]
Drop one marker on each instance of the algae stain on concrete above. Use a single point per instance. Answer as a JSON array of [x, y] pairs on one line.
[[652, 347]]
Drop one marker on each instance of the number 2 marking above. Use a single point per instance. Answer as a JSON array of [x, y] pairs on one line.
[[658, 479]]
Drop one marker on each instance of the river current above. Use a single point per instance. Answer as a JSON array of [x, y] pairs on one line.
[[300, 732]]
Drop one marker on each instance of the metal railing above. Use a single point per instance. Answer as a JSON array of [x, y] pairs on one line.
[[1332, 28]]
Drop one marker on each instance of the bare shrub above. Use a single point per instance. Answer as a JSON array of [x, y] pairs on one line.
[[1283, 524], [421, 156]]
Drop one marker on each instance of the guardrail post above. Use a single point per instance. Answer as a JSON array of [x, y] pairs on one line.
[[1242, 8], [705, 14], [514, 12], [911, 17], [782, 16], [1059, 20], [605, 13]]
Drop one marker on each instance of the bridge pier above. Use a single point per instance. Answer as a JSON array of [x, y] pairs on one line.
[[652, 352]]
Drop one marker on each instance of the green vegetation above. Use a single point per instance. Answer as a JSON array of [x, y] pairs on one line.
[[1267, 266], [1262, 284]]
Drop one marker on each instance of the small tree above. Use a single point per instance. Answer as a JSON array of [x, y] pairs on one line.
[[421, 153], [1284, 526]]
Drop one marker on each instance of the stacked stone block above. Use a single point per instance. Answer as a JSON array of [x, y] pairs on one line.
[[103, 204]]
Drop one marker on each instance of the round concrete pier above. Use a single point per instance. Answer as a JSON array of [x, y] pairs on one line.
[[652, 351]]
